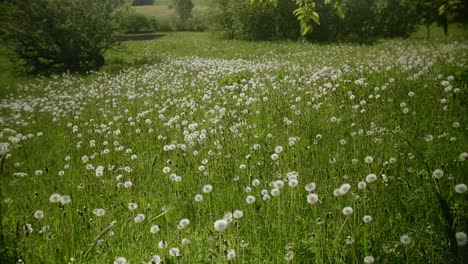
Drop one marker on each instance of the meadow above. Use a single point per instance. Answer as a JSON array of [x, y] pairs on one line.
[[193, 149]]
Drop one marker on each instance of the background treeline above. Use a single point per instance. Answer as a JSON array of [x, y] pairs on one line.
[[364, 20]]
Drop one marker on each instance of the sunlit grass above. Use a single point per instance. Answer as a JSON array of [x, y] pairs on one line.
[[204, 150]]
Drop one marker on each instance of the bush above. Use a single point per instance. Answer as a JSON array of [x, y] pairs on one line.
[[50, 35], [138, 23], [364, 21]]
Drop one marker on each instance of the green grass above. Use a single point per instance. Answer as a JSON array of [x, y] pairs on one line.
[[227, 106]]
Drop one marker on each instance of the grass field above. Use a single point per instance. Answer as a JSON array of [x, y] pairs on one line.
[[193, 149]]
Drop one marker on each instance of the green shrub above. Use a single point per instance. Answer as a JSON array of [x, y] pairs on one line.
[[138, 23], [51, 35]]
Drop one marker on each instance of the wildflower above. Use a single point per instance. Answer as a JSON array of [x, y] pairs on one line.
[[274, 156], [275, 192], [310, 187], [371, 178], [185, 241], [207, 188], [463, 156], [347, 211], [54, 198], [250, 199], [128, 184], [231, 254], [39, 214], [279, 149], [293, 183], [99, 212], [120, 260], [405, 239], [220, 225], [174, 252], [38, 173], [65, 199], [255, 182], [345, 188], [460, 188], [156, 259], [438, 173], [166, 170], [369, 159], [132, 206], [349, 240], [154, 229], [312, 198], [237, 214], [198, 198], [184, 222], [369, 260], [362, 185], [162, 244], [461, 238], [139, 218], [367, 219]]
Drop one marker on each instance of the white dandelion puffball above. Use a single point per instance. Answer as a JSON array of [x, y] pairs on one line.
[[174, 252], [310, 187], [120, 260], [237, 214], [367, 219], [405, 239], [231, 254], [460, 188], [250, 199], [162, 244], [198, 198], [461, 238], [156, 259], [139, 218], [371, 178], [347, 211], [99, 212], [207, 188], [362, 185], [220, 225], [184, 222], [438, 173], [54, 198], [65, 199], [369, 260], [279, 149], [154, 229], [369, 159], [463, 156], [345, 188], [274, 156], [312, 198], [39, 214], [132, 206]]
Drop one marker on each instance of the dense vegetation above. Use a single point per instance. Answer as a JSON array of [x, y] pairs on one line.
[[243, 152], [212, 148]]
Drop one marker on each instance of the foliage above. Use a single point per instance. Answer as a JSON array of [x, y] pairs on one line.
[[142, 2], [183, 9], [356, 20], [138, 23], [61, 34], [215, 112]]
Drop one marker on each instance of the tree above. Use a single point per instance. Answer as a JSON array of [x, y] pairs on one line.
[[306, 12], [50, 35], [183, 9]]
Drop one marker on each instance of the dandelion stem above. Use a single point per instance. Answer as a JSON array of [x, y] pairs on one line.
[[98, 237]]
